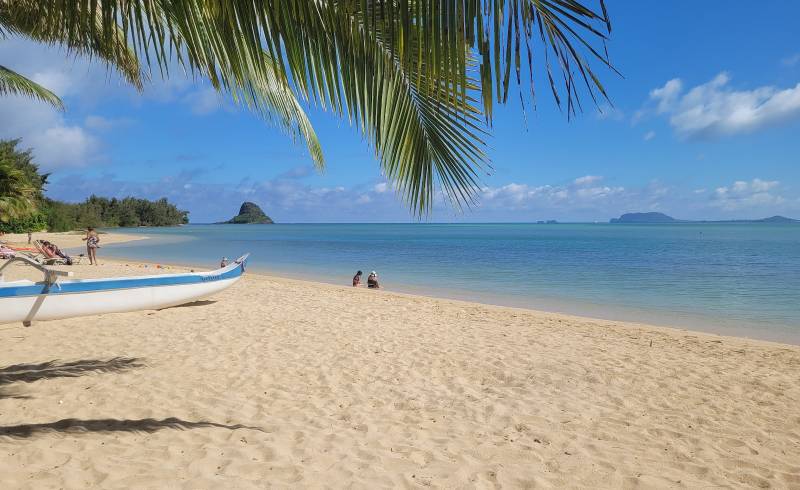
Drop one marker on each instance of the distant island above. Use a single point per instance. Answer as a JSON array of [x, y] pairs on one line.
[[644, 218], [653, 218], [250, 214]]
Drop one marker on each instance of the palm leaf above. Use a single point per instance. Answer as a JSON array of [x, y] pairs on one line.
[[400, 71], [89, 34], [12, 83]]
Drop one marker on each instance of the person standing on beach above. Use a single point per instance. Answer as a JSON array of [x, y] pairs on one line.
[[92, 244], [357, 279]]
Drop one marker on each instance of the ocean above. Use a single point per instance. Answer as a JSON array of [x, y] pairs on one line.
[[731, 278]]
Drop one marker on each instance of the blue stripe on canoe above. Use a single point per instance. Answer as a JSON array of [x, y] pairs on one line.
[[112, 284]]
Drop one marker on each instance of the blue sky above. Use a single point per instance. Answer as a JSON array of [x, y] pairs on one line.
[[705, 124]]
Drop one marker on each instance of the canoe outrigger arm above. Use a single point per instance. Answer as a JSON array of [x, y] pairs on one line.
[[50, 275]]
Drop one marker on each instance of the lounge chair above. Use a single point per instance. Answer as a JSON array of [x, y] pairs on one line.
[[7, 253], [47, 256]]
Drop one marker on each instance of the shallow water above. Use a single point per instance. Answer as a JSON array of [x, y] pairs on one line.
[[737, 279]]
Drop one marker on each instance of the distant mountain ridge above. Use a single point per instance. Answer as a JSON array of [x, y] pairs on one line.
[[250, 214], [654, 218]]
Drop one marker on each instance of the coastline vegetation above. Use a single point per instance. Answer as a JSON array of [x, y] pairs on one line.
[[24, 208]]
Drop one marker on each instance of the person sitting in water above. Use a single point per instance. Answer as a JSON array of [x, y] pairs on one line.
[[357, 279], [372, 280]]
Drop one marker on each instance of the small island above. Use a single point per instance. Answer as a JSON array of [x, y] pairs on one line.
[[655, 218], [250, 214], [644, 218]]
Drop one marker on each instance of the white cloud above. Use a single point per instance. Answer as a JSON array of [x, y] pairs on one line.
[[580, 194], [59, 82], [56, 142], [587, 179], [667, 94], [713, 109], [381, 188], [649, 135], [742, 195]]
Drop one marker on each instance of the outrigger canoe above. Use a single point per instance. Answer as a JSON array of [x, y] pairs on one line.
[[53, 298]]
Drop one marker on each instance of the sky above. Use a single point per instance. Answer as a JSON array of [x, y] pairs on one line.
[[704, 125]]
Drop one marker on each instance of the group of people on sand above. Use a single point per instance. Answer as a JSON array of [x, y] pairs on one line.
[[50, 249], [372, 280]]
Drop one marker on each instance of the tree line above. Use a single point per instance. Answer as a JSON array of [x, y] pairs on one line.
[[24, 208]]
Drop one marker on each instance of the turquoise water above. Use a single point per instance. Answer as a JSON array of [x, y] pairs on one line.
[[738, 279]]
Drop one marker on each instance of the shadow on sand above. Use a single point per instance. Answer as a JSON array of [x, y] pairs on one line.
[[202, 302], [28, 373], [77, 426]]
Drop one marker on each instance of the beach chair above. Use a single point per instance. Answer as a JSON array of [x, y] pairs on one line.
[[7, 253], [48, 257], [28, 252]]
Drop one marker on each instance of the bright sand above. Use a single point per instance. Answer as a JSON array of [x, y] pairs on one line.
[[284, 383]]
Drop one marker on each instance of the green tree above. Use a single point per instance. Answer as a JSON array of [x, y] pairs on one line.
[[417, 77], [18, 195]]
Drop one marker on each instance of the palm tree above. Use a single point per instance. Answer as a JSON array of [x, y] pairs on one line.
[[17, 195], [417, 77]]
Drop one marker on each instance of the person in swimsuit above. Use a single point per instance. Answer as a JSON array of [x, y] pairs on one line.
[[357, 279], [92, 244], [372, 280]]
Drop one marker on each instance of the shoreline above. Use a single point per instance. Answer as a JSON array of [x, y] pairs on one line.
[[156, 267], [623, 316], [411, 291]]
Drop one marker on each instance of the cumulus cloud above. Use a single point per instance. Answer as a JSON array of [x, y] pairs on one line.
[[56, 141], [742, 194], [295, 200], [582, 193], [714, 109]]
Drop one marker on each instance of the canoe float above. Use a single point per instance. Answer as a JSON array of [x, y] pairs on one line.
[[52, 298]]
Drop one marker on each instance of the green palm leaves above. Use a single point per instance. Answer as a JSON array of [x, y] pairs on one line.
[[12, 83], [418, 78]]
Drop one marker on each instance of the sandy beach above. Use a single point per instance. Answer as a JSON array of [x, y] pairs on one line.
[[284, 383], [67, 239]]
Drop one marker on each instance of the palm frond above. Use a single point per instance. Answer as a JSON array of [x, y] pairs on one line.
[[87, 34], [12, 83], [401, 70]]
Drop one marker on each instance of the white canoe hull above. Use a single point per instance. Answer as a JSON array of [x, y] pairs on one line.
[[25, 301], [54, 307]]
